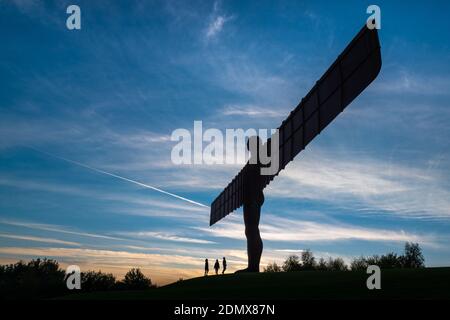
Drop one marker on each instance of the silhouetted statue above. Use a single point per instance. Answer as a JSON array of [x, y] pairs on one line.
[[253, 199], [206, 267], [224, 265], [354, 69], [217, 266]]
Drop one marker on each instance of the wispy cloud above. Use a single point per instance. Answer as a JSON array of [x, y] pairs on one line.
[[275, 228], [216, 26], [25, 4], [55, 228], [144, 185], [252, 111], [164, 236], [403, 81], [365, 184], [217, 22], [136, 204], [36, 10], [38, 239], [239, 73]]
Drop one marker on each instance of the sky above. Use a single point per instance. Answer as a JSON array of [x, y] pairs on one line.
[[85, 114]]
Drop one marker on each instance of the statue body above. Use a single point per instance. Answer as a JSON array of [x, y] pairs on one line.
[[253, 199]]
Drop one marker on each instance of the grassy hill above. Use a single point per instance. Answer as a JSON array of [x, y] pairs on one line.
[[429, 283]]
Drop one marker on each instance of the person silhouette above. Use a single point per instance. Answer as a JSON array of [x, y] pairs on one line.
[[206, 267], [253, 199], [224, 265], [217, 267]]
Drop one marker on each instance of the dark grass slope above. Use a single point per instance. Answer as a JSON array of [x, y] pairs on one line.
[[429, 283]]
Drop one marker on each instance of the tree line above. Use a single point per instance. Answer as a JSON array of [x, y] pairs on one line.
[[411, 258], [43, 278]]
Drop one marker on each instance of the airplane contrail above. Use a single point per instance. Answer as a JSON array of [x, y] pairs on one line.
[[121, 178]]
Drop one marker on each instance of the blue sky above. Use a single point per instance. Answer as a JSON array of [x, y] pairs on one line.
[[110, 95]]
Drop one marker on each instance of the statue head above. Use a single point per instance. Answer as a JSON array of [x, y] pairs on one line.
[[254, 145]]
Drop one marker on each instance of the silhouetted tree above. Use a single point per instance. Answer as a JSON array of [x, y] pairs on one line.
[[272, 267], [40, 278], [373, 260], [390, 260], [97, 281], [43, 278], [413, 257], [359, 264], [322, 265], [337, 264], [136, 280], [308, 260], [292, 263]]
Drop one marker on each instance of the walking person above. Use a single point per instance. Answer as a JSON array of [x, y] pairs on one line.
[[217, 267], [224, 265], [206, 267]]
